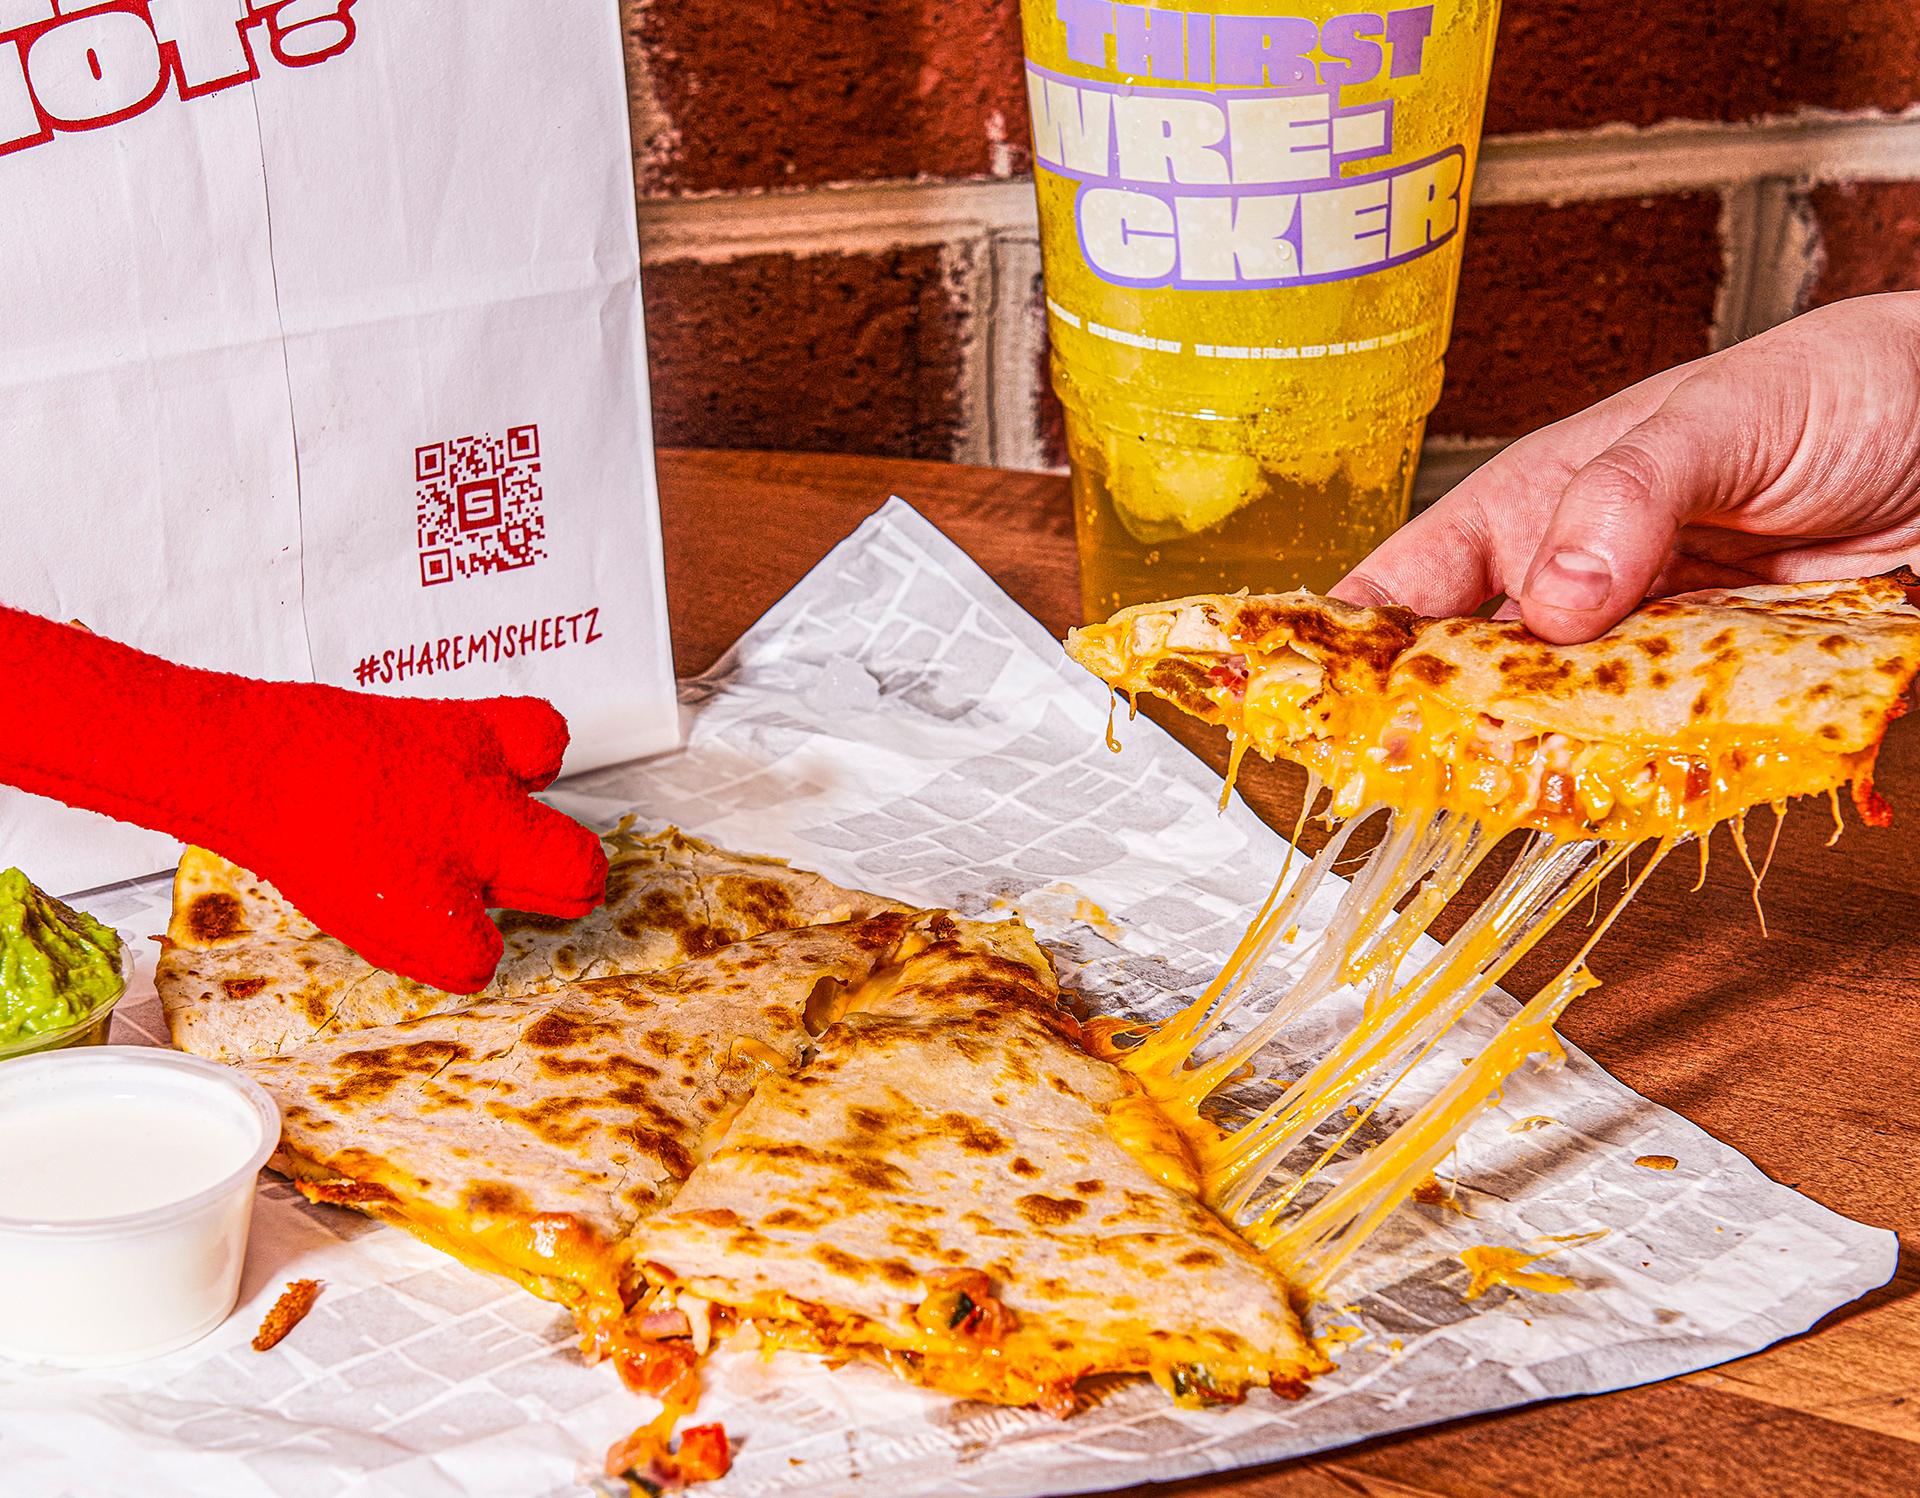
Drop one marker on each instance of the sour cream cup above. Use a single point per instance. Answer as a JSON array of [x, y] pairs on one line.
[[126, 1193]]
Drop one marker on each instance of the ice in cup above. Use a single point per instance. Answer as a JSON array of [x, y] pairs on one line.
[[1251, 227]]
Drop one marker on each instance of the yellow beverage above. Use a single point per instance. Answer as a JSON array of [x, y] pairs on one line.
[[1251, 227]]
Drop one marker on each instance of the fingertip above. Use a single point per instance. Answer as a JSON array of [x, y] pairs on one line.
[[1359, 588], [465, 961], [1567, 626], [446, 942]]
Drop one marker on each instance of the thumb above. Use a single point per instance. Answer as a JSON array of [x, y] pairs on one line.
[[1615, 526]]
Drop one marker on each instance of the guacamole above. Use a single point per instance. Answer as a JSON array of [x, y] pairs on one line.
[[56, 963]]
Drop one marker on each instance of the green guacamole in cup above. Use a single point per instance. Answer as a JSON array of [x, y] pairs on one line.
[[57, 964]]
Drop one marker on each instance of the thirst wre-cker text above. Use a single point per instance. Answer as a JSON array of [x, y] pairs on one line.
[[1241, 186]]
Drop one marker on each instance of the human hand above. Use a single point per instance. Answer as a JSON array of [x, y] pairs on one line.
[[1791, 457]]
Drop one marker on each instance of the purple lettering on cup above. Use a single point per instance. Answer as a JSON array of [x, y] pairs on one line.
[[1407, 33], [1127, 236], [1353, 57], [1253, 50], [1149, 41], [1089, 23], [1200, 48]]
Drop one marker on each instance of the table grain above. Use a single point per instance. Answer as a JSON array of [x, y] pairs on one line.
[[1801, 1049]]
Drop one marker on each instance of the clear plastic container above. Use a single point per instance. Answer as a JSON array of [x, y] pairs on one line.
[[126, 1194], [1251, 218]]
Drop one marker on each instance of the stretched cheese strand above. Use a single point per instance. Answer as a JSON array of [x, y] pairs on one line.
[[1427, 858], [1422, 861], [1172, 1043], [1430, 856], [1548, 880], [1319, 1241]]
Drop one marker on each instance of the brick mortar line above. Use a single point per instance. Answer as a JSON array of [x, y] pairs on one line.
[[1549, 168], [1683, 156]]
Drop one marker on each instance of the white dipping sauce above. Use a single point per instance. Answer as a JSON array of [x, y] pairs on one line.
[[126, 1191], [71, 1158]]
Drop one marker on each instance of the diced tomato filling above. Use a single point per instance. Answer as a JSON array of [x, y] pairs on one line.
[[1556, 793], [662, 1369], [644, 1458], [658, 1324], [1231, 673], [1699, 778], [1871, 805]]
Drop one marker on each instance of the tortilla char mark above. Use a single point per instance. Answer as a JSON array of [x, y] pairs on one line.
[[373, 1074], [763, 903], [216, 917], [1371, 639]]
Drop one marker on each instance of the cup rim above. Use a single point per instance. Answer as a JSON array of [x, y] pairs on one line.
[[266, 1113]]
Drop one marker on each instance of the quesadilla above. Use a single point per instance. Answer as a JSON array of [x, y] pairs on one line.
[[954, 1187], [243, 974], [1688, 712], [528, 1136]]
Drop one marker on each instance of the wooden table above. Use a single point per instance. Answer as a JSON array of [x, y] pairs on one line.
[[1802, 1049]]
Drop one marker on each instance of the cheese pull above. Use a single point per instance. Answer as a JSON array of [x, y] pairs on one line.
[[1453, 734]]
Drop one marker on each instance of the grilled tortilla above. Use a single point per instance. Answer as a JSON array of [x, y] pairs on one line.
[[955, 1187], [243, 974], [528, 1136], [1687, 713]]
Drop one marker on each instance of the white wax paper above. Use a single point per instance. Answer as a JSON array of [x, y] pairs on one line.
[[898, 723]]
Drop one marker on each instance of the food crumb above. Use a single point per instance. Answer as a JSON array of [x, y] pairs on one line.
[[647, 1464], [1656, 1162], [1529, 1124], [1430, 1193], [286, 1313]]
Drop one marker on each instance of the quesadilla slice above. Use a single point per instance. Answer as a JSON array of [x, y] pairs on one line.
[[1688, 712], [527, 1137], [954, 1187], [243, 974]]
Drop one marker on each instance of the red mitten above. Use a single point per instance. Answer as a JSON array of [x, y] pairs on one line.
[[391, 822]]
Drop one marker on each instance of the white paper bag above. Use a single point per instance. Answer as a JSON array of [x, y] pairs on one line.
[[323, 359]]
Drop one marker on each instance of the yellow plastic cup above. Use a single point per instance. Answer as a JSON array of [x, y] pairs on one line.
[[1251, 226]]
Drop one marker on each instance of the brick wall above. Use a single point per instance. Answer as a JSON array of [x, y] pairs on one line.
[[839, 236]]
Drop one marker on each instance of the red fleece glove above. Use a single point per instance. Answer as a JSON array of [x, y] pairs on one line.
[[392, 823]]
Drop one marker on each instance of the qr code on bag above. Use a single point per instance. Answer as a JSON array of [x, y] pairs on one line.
[[478, 505]]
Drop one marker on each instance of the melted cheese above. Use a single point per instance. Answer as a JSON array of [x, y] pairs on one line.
[[1492, 1265], [1025, 1366], [1420, 863], [1415, 749], [550, 1255], [1140, 1128]]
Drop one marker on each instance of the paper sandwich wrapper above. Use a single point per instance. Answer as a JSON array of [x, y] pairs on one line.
[[898, 724]]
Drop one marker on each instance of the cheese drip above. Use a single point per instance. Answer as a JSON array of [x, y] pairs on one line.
[[1422, 861]]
